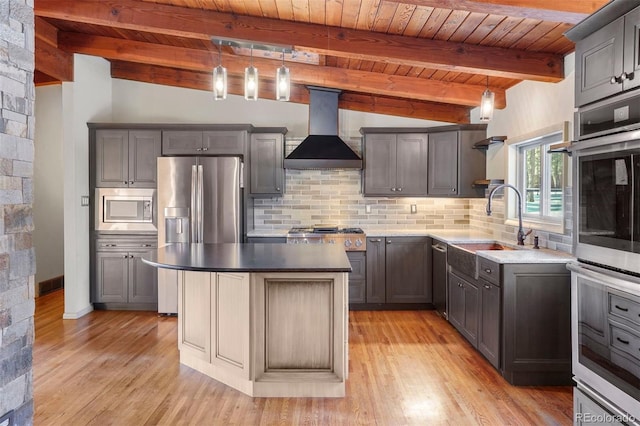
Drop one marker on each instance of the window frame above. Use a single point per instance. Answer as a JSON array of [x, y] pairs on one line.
[[516, 176]]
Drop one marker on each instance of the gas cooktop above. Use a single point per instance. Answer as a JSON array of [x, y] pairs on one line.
[[352, 239], [325, 230]]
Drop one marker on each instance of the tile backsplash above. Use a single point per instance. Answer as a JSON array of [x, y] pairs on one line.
[[335, 197]]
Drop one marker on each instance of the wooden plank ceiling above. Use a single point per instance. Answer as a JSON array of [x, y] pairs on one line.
[[428, 59]]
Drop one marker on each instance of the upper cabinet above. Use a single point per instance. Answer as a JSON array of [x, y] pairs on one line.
[[127, 158], [267, 172], [395, 164], [195, 142], [414, 162], [607, 60]]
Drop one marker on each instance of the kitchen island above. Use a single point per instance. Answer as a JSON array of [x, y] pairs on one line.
[[269, 320]]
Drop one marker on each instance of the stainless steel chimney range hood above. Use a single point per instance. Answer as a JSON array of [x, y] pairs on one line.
[[323, 148]]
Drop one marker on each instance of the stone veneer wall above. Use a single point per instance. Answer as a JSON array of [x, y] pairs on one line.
[[17, 259]]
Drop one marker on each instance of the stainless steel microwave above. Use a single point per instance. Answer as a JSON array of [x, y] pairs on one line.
[[125, 209]]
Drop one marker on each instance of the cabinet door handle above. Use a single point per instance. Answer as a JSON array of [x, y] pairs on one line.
[[400, 189], [130, 182], [111, 245], [393, 189], [376, 240], [622, 309], [487, 270], [453, 190], [487, 286], [125, 256], [124, 181], [613, 80], [388, 241], [205, 149], [623, 77], [626, 342], [278, 189], [146, 245]]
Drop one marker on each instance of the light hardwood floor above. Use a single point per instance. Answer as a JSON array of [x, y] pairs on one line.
[[406, 367]]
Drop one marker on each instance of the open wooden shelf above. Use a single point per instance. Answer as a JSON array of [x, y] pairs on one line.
[[484, 144]]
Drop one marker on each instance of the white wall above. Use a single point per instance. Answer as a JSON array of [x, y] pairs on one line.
[[530, 106], [48, 178], [135, 102], [86, 99]]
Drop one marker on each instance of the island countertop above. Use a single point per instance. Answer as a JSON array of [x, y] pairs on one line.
[[239, 257]]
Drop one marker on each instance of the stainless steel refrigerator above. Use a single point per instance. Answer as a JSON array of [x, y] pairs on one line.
[[199, 201]]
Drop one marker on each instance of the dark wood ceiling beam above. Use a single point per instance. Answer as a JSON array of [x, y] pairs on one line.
[[299, 93], [338, 78], [567, 11], [342, 42], [50, 60]]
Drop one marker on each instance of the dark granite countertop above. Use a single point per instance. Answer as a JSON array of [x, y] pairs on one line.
[[250, 258]]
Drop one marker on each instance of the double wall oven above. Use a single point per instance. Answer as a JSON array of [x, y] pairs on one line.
[[606, 277]]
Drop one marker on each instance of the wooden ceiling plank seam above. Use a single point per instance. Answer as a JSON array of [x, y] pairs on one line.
[[318, 39], [484, 29], [518, 32], [417, 22], [436, 20], [267, 8], [534, 35], [285, 10], [470, 24], [401, 19], [198, 60], [367, 14], [454, 21], [567, 11], [378, 67], [333, 12], [301, 11], [501, 30], [317, 12], [350, 14], [549, 38], [386, 12]]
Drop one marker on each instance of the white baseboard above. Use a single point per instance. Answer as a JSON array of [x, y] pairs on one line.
[[76, 315]]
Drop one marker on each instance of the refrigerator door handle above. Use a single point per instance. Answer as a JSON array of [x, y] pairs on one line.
[[194, 189], [242, 175], [200, 205]]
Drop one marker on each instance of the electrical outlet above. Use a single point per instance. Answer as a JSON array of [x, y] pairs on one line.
[[414, 208], [367, 208], [84, 200]]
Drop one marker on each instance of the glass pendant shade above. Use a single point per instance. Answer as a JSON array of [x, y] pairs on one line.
[[219, 83], [283, 84], [251, 83], [486, 105]]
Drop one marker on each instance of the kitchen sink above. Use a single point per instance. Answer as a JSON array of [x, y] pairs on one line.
[[474, 247]]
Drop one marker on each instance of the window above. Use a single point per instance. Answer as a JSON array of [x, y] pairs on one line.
[[541, 178]]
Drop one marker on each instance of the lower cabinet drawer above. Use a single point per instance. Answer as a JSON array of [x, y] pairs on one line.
[[624, 306], [489, 270]]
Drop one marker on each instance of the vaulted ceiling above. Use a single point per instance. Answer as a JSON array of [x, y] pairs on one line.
[[429, 59]]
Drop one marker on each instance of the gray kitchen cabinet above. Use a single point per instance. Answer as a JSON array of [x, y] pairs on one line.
[[463, 306], [357, 277], [398, 271], [439, 276], [443, 163], [608, 60], [494, 305], [536, 303], [454, 163], [267, 171], [208, 142], [122, 280], [126, 158], [395, 164], [418, 162], [376, 270], [490, 308], [407, 270]]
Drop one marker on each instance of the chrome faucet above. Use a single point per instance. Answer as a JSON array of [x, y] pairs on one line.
[[521, 234]]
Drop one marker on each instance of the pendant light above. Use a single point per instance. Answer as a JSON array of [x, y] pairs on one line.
[[219, 78], [283, 82], [251, 81], [486, 104]]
